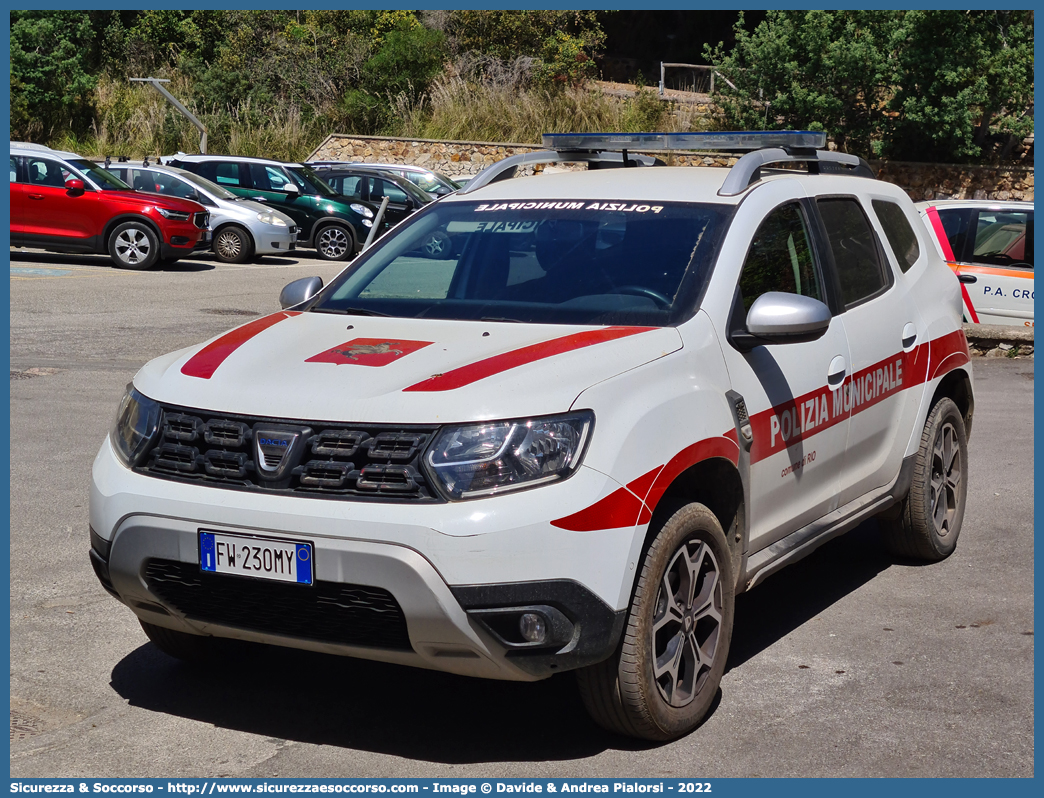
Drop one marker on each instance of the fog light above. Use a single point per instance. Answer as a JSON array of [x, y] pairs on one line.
[[532, 627]]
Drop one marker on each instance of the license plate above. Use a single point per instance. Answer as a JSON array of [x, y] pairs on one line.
[[260, 558]]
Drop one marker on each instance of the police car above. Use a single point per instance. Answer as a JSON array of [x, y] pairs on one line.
[[633, 392], [989, 245]]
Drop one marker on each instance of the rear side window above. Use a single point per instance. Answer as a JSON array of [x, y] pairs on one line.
[[780, 258], [223, 173], [860, 272], [14, 169], [956, 223], [900, 235]]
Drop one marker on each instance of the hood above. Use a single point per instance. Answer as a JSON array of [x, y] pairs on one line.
[[324, 367], [136, 199]]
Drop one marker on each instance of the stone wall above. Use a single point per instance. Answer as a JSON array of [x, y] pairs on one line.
[[464, 158]]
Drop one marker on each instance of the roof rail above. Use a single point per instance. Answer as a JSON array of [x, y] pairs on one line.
[[747, 169], [507, 168], [27, 145]]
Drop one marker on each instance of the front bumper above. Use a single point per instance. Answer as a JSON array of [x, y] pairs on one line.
[[435, 586], [274, 240]]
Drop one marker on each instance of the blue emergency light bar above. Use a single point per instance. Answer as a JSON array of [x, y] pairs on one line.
[[724, 141]]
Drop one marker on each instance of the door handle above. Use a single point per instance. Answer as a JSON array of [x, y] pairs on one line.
[[836, 372], [967, 279], [35, 196], [909, 336]]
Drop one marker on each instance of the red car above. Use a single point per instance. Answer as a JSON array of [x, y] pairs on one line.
[[64, 203]]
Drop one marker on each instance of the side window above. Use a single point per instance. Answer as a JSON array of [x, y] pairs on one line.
[[956, 223], [1002, 238], [350, 186], [900, 235], [44, 172], [860, 272], [277, 179], [14, 169], [780, 258], [144, 181], [385, 188], [225, 173]]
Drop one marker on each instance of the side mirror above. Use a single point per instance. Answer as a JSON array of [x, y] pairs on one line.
[[781, 318], [74, 186], [290, 188], [299, 291]]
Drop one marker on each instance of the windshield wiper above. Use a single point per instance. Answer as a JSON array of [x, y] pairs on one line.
[[352, 312]]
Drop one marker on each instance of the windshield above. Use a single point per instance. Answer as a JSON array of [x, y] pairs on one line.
[[545, 261], [432, 182], [310, 183], [103, 178]]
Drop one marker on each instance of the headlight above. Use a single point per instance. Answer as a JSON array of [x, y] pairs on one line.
[[501, 456], [181, 216], [136, 424], [362, 210], [271, 218]]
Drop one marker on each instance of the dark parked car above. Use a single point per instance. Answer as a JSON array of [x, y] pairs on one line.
[[363, 184], [335, 226]]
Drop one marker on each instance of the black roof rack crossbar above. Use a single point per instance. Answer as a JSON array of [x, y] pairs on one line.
[[507, 168], [747, 169]]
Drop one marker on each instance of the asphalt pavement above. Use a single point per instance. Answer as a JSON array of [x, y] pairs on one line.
[[849, 663]]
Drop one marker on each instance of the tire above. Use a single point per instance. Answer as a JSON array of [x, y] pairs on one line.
[[134, 245], [628, 693], [438, 245], [335, 242], [233, 245], [180, 645], [928, 521]]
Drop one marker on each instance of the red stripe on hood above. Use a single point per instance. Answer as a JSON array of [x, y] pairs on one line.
[[474, 372], [204, 363]]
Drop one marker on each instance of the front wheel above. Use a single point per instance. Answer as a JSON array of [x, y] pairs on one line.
[[335, 242], [134, 245], [233, 245], [929, 519], [664, 676]]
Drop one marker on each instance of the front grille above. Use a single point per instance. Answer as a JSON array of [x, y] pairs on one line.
[[327, 460], [328, 612]]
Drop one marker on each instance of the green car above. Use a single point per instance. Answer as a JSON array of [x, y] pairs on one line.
[[334, 225]]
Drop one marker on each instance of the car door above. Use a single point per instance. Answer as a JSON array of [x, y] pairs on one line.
[[399, 204], [993, 249], [269, 185], [17, 200], [885, 333], [51, 213], [790, 391]]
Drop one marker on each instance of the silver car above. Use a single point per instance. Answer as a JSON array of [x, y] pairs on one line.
[[243, 229]]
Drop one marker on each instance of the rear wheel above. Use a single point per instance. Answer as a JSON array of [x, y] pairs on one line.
[[233, 245], [926, 524], [665, 674], [186, 647], [335, 242], [134, 245]]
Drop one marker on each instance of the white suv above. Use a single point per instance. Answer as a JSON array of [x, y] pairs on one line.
[[631, 394]]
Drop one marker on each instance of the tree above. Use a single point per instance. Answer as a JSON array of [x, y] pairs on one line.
[[963, 82], [912, 85], [51, 78], [812, 70]]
